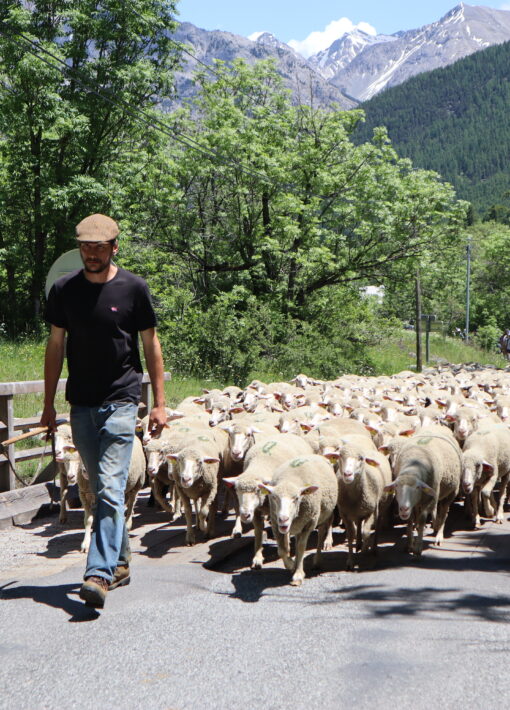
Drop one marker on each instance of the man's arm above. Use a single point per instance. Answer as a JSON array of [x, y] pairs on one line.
[[155, 368], [53, 361]]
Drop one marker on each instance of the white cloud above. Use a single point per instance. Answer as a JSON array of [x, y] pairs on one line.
[[322, 40], [505, 6], [254, 37]]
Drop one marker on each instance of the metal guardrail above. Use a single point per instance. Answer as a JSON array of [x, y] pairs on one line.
[[9, 424]]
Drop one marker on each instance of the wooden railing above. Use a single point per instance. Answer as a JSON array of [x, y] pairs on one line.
[[10, 425]]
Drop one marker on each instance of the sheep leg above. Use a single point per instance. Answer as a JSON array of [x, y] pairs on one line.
[[88, 519], [442, 511], [157, 492], [410, 536], [176, 499], [284, 549], [64, 491], [502, 497], [367, 527], [301, 542], [258, 529], [475, 515], [351, 535], [130, 504], [418, 543], [359, 535], [323, 531], [328, 535], [489, 505], [211, 515], [190, 533], [238, 526], [226, 504]]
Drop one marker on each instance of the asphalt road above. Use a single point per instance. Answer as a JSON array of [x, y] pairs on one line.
[[197, 629]]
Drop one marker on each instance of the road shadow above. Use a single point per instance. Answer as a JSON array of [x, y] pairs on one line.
[[250, 585], [382, 601], [56, 596]]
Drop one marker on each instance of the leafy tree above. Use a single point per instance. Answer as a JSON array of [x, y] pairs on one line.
[[294, 213], [59, 140]]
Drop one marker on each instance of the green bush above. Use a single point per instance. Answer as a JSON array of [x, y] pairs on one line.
[[487, 335]]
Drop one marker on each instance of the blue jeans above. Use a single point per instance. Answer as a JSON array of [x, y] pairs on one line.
[[104, 437]]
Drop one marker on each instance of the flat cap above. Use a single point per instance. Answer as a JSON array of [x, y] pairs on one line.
[[97, 228]]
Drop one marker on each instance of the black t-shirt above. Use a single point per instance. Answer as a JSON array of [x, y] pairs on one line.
[[102, 322]]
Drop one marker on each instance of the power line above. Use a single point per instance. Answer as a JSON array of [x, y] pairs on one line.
[[137, 114]]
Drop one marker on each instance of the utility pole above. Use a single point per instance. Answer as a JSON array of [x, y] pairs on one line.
[[468, 290], [418, 322], [428, 317]]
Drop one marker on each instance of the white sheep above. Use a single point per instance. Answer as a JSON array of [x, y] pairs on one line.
[[261, 461], [427, 470], [69, 465], [362, 500], [485, 460], [303, 494], [68, 462], [196, 471]]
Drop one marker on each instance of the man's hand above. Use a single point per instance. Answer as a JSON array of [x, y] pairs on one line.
[[157, 420], [49, 418]]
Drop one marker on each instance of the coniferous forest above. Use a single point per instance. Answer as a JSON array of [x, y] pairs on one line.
[[455, 121]]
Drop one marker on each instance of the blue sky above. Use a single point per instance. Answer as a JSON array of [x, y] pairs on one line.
[[296, 19]]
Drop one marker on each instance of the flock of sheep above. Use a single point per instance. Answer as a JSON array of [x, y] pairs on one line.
[[298, 452]]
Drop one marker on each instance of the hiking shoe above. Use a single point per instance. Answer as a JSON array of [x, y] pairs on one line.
[[93, 591], [120, 577]]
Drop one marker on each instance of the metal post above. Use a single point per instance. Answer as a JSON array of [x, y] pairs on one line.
[[468, 279], [418, 322]]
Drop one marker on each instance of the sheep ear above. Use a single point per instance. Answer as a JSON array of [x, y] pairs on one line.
[[332, 456], [138, 427], [230, 482], [175, 414], [308, 489], [323, 405], [390, 488], [305, 427], [371, 462], [172, 457], [406, 432], [199, 400], [371, 428], [254, 430], [427, 489], [266, 488], [226, 426], [210, 459], [384, 449], [236, 409], [487, 467]]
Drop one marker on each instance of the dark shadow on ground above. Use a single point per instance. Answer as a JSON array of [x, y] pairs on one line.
[[56, 596], [381, 601], [250, 585]]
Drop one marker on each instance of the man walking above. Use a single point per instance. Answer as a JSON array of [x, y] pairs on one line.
[[102, 308]]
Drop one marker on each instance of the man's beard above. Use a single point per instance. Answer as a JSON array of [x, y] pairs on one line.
[[97, 267]]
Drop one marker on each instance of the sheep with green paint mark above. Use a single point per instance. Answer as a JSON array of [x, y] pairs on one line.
[[303, 494], [261, 461]]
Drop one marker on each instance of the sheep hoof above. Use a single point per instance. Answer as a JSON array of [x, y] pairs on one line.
[[296, 581], [349, 566], [256, 564]]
